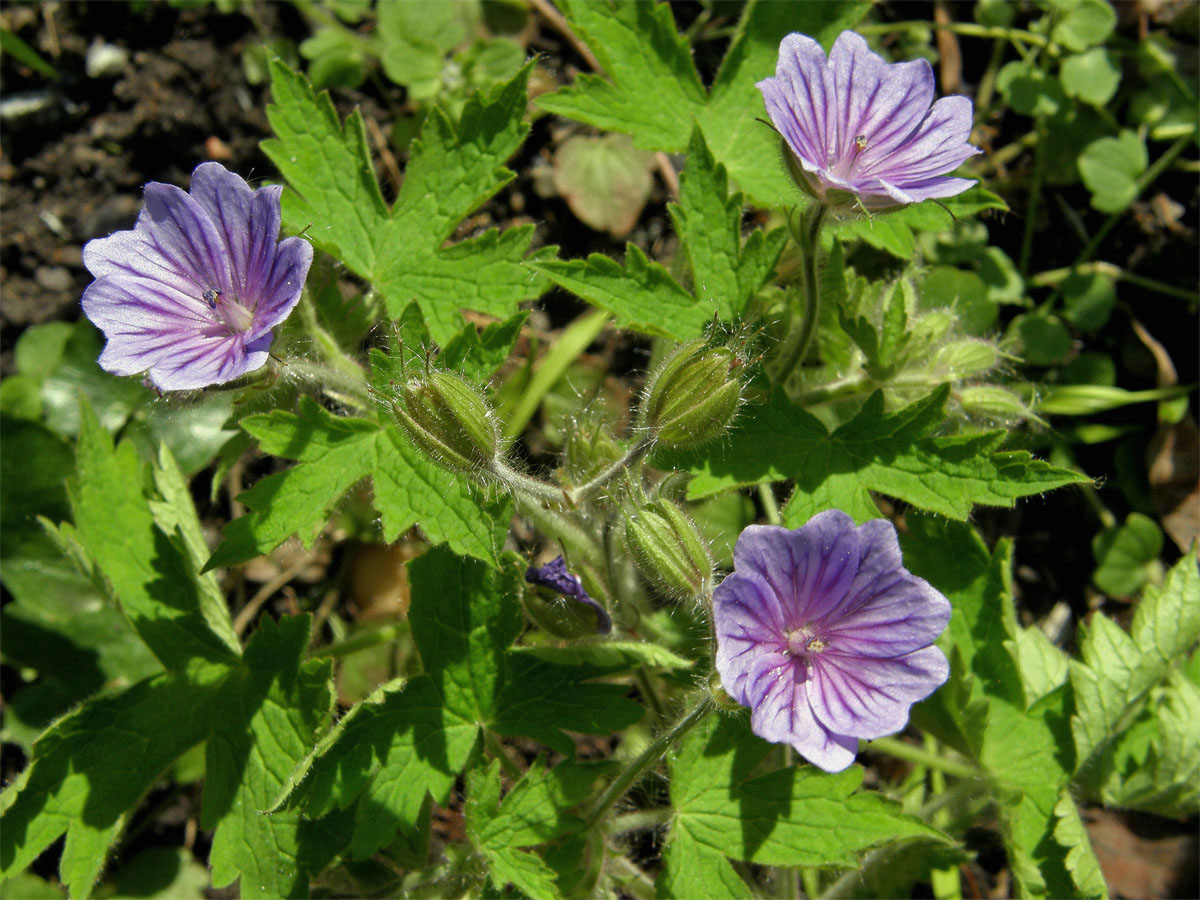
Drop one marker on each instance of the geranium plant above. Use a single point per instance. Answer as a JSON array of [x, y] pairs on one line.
[[714, 623]]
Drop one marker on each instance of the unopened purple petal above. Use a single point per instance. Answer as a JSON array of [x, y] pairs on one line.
[[555, 576]]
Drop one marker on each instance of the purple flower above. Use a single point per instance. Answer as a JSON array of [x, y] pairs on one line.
[[554, 575], [826, 636], [861, 130], [192, 292]]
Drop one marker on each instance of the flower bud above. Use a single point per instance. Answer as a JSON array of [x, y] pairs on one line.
[[590, 449], [450, 420], [693, 395], [966, 358], [994, 403], [560, 605], [668, 550]]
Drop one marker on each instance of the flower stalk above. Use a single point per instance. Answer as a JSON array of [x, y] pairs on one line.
[[808, 237], [645, 760]]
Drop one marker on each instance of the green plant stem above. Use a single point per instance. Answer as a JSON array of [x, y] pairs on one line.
[[535, 488], [770, 507], [642, 820], [362, 641], [903, 750], [1035, 195], [343, 386], [1144, 181], [812, 882], [1055, 277], [645, 684], [634, 880], [496, 749], [808, 238], [644, 762], [987, 84], [578, 494], [966, 29], [526, 486], [566, 529]]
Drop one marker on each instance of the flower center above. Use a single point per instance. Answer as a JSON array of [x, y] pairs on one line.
[[803, 643], [229, 309]]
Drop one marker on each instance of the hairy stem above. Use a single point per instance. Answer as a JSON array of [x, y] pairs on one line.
[[807, 236], [902, 750], [646, 760]]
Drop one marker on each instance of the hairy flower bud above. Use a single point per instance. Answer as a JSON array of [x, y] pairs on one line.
[[450, 420], [966, 358], [993, 403], [693, 395], [668, 550]]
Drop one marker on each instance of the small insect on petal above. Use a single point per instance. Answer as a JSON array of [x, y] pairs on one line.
[[904, 143], [218, 243]]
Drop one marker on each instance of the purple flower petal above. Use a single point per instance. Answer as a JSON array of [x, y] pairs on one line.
[[859, 125], [825, 635], [193, 292], [555, 576]]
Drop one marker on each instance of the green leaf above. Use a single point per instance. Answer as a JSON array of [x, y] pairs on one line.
[[1089, 299], [470, 617], [24, 54], [640, 49], [963, 293], [1116, 670], [1110, 168], [1080, 24], [464, 616], [61, 626], [544, 700], [533, 812], [605, 180], [176, 514], [1029, 90], [151, 576], [273, 706], [1024, 751], [163, 873], [725, 274], [641, 294], [637, 44], [694, 868], [984, 711], [75, 377], [1092, 77], [335, 453], [797, 816], [1158, 769], [453, 169], [1127, 556], [894, 453], [90, 767], [328, 168], [477, 356], [387, 758]]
